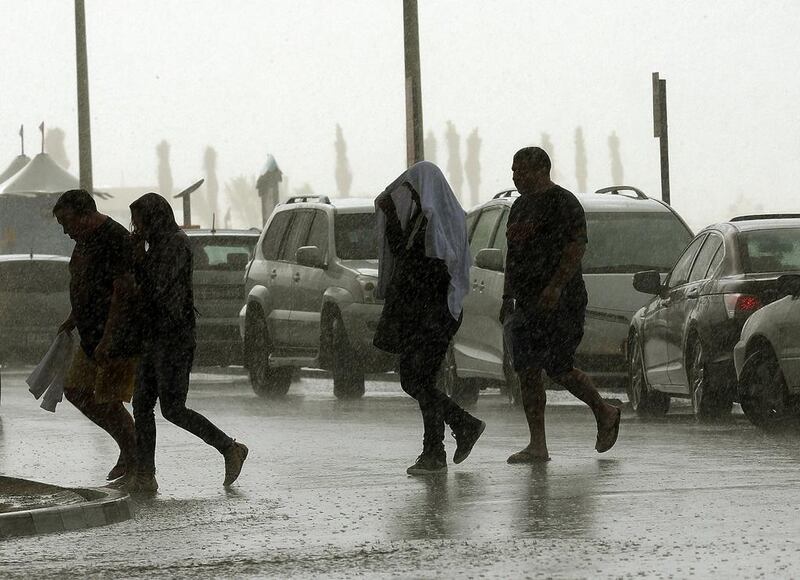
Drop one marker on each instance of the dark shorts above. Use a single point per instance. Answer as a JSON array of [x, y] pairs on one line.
[[545, 340]]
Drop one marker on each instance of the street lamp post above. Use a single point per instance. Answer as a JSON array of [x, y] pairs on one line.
[[84, 125], [414, 146]]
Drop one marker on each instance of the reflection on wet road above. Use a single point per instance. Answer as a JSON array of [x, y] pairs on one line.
[[324, 493]]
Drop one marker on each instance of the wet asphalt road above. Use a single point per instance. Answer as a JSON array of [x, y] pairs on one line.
[[325, 494]]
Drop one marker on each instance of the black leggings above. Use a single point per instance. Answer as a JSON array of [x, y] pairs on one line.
[[164, 374], [419, 366]]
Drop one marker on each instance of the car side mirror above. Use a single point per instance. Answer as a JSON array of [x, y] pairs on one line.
[[490, 259], [648, 282], [788, 285], [309, 256]]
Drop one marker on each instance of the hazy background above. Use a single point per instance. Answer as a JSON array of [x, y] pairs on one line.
[[252, 77]]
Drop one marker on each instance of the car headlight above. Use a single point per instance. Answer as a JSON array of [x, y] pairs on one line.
[[368, 286]]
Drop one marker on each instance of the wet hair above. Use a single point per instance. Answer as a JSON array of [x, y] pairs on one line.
[[156, 216], [79, 201], [533, 158]]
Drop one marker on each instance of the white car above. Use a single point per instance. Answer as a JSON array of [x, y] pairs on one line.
[[767, 359], [628, 232]]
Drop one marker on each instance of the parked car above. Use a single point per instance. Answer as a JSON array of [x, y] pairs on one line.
[[220, 258], [34, 300], [311, 296], [681, 343], [767, 357], [627, 231]]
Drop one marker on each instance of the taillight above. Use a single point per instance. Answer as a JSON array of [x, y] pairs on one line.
[[741, 305]]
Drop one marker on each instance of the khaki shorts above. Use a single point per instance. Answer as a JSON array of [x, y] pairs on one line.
[[112, 382]]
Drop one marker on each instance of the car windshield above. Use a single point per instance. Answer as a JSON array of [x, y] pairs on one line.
[[31, 277], [355, 236], [228, 253], [632, 242], [770, 250]]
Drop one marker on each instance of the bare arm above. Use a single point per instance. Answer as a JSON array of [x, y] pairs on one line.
[[122, 294], [570, 261]]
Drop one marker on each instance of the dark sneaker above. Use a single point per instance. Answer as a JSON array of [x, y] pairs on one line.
[[427, 464], [466, 436], [608, 431], [234, 459], [117, 471]]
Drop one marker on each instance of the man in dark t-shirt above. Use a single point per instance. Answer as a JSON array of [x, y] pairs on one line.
[[102, 372], [544, 299]]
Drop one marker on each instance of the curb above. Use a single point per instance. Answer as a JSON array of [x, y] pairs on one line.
[[104, 506]]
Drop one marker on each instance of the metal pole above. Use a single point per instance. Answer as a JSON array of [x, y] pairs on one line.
[[84, 126], [414, 142], [664, 141]]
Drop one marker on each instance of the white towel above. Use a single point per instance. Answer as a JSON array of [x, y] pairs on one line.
[[49, 375]]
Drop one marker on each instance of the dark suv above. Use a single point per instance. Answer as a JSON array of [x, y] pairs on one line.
[[681, 343]]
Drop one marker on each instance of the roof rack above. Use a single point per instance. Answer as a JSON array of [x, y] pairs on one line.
[[506, 193], [305, 198], [616, 189], [765, 216]]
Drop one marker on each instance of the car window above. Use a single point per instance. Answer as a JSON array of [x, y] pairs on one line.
[[500, 240], [355, 237], [680, 273], [271, 245], [704, 258], [484, 230], [770, 250], [34, 277], [221, 253], [298, 234], [631, 242], [716, 261], [318, 235]]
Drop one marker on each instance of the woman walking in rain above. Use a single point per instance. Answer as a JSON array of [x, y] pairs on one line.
[[423, 276], [164, 278]]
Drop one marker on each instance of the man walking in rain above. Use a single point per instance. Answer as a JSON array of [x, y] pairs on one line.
[[544, 300], [102, 373]]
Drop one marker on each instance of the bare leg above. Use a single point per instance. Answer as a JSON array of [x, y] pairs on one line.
[[607, 416], [534, 400]]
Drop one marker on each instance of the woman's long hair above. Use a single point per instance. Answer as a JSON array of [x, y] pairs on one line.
[[156, 216]]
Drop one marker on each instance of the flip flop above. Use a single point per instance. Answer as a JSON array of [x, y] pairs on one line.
[[526, 456], [606, 440]]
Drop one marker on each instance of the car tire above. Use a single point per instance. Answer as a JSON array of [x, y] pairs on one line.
[[464, 392], [267, 382], [644, 401], [708, 403], [348, 374], [767, 406]]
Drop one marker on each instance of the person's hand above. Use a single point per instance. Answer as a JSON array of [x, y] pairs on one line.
[[67, 326], [102, 350], [506, 309], [548, 299]]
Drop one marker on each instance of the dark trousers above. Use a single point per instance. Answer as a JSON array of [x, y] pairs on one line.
[[419, 364], [164, 375]]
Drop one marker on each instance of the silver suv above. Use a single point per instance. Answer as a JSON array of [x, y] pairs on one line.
[[628, 232], [311, 296]]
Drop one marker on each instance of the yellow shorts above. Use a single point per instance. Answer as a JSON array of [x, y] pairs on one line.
[[112, 382]]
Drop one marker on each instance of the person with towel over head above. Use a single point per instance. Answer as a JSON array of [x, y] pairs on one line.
[[423, 277]]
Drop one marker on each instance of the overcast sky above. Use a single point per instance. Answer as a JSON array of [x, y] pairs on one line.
[[251, 77]]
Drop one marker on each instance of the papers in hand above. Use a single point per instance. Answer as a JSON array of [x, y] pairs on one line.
[[49, 375]]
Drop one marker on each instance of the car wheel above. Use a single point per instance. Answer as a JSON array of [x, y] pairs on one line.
[[708, 402], [348, 374], [767, 403], [268, 382], [447, 380], [644, 401]]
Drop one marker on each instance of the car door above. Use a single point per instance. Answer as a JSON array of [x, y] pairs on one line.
[[269, 271], [657, 331], [689, 299], [295, 239], [474, 350], [309, 286]]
